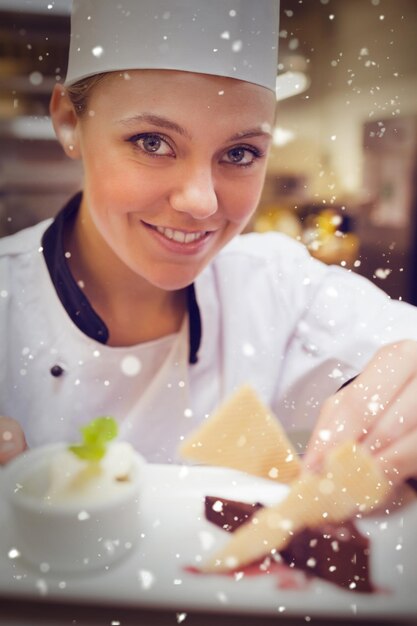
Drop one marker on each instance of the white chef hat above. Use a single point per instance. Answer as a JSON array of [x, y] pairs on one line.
[[235, 38]]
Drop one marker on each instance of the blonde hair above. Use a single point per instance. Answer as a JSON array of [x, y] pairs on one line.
[[80, 91]]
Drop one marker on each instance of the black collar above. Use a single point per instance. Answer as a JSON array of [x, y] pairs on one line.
[[72, 297]]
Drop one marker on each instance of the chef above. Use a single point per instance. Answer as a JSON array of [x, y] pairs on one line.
[[143, 301]]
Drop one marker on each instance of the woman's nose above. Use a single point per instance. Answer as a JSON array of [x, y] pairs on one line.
[[195, 194]]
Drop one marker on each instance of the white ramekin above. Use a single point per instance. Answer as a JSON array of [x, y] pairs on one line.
[[66, 537]]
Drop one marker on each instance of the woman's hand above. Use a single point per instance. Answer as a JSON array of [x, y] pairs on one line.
[[379, 410], [12, 439]]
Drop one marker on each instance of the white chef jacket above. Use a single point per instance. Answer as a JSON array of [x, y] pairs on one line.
[[272, 316]]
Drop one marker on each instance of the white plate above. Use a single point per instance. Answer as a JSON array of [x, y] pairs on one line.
[[176, 535]]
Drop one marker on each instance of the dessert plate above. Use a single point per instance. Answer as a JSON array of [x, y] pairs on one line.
[[175, 536]]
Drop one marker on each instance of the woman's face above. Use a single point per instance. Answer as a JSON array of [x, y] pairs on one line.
[[174, 165]]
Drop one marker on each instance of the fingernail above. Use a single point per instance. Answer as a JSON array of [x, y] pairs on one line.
[[6, 439]]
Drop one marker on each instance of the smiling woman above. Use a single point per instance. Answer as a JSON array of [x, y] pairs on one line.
[[170, 107], [164, 191]]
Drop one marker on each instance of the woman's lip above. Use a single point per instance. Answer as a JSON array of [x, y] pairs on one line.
[[181, 230], [180, 246]]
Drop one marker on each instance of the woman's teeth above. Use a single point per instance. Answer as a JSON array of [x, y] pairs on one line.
[[179, 235]]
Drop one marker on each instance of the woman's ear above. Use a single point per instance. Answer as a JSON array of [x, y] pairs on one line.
[[65, 122]]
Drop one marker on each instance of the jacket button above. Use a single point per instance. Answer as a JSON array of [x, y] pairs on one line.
[[56, 371]]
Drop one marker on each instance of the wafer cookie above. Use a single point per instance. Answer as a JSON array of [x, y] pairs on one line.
[[351, 483], [244, 434]]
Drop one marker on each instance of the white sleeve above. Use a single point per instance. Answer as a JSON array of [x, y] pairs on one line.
[[341, 319]]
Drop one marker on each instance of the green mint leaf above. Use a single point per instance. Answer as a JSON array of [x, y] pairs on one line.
[[96, 435], [88, 453], [100, 430]]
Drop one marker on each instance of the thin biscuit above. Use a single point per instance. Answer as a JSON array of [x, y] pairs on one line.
[[359, 481], [350, 483], [244, 434]]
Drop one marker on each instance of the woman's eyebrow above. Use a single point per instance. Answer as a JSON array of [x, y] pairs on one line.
[[163, 122], [251, 132], [156, 120]]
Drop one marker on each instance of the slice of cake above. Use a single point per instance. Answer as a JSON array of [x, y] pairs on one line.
[[244, 434], [229, 514]]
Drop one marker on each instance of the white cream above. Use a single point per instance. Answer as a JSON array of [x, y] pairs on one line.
[[77, 482]]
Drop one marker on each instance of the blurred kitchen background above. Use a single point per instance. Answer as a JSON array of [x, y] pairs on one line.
[[342, 176]]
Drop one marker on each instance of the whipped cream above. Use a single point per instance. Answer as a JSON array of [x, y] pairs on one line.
[[77, 482]]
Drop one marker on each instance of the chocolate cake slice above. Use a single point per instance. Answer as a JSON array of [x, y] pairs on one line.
[[338, 553], [229, 514]]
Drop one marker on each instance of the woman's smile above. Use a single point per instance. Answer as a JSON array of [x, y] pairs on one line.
[[180, 241]]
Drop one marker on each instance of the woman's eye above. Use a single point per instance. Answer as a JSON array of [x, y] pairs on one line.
[[152, 144], [241, 155]]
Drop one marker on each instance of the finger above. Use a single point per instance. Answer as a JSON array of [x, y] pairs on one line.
[[12, 439], [351, 413], [388, 372], [399, 460], [334, 425], [396, 421]]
